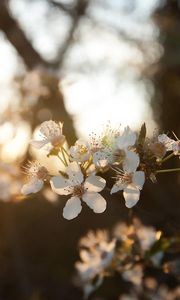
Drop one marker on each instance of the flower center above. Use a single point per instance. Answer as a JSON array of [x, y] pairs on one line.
[[82, 149], [125, 178], [42, 173], [78, 191], [58, 141], [119, 155], [158, 149]]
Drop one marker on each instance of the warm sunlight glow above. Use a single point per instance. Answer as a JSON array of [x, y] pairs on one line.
[[17, 142], [96, 101]]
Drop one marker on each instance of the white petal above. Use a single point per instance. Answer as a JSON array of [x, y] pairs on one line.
[[85, 255], [77, 156], [164, 139], [117, 187], [100, 159], [94, 183], [138, 179], [50, 129], [38, 144], [74, 172], [131, 195], [176, 147], [72, 208], [33, 186], [128, 138], [60, 185], [83, 143], [95, 201], [131, 162]]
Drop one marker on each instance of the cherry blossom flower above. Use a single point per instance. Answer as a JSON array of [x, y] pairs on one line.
[[170, 144], [51, 133], [37, 175], [103, 157], [124, 144], [127, 139], [80, 188], [104, 146], [129, 180], [80, 152]]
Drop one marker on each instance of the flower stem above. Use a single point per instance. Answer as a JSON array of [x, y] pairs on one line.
[[64, 157], [167, 157], [168, 170], [89, 164], [65, 151], [61, 160]]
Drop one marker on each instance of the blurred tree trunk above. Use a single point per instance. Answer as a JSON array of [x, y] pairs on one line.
[[18, 39], [166, 102], [166, 108], [32, 59]]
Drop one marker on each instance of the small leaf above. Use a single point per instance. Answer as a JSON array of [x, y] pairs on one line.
[[142, 135]]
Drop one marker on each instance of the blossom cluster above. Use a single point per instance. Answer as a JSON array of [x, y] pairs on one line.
[[130, 156], [129, 251]]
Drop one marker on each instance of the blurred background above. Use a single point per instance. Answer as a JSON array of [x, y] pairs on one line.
[[82, 62]]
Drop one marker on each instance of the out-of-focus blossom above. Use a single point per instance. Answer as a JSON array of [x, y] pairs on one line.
[[32, 87], [86, 189], [10, 182], [50, 195], [134, 274], [129, 253], [147, 236], [37, 174], [164, 293], [51, 133], [96, 256], [129, 180], [5, 188]]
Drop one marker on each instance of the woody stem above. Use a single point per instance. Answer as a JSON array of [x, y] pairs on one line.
[[168, 157], [168, 170]]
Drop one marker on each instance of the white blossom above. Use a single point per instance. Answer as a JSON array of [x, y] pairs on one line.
[[170, 144], [129, 180], [37, 174], [80, 188], [124, 144], [127, 139], [50, 133], [103, 157], [80, 152], [103, 147]]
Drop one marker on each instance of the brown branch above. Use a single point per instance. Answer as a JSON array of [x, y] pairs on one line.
[[69, 9], [18, 39], [79, 11]]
